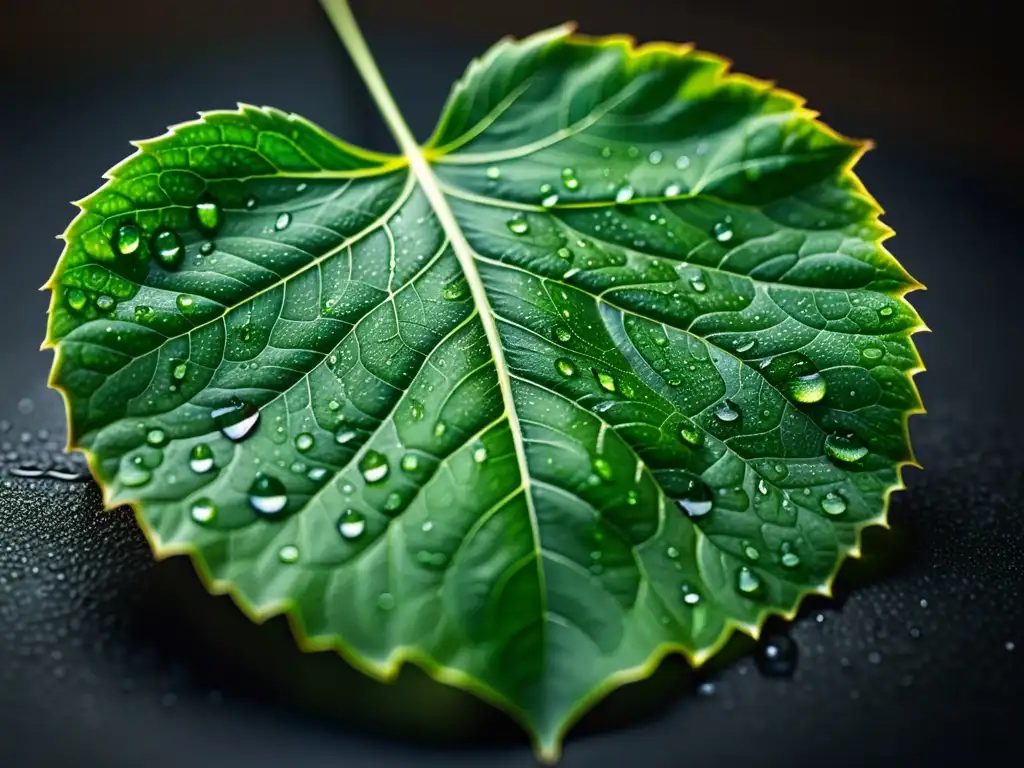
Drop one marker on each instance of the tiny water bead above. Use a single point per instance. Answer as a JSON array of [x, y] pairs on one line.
[[179, 370], [105, 303], [351, 524], [690, 595], [200, 458], [480, 453], [723, 230], [885, 311], [747, 581], [343, 436], [203, 511], [410, 462], [602, 468], [236, 420], [127, 238], [76, 298], [317, 474], [282, 221], [562, 333], [304, 442], [548, 196], [168, 248], [206, 248], [267, 495], [288, 554], [790, 559], [746, 345], [186, 304], [563, 253], [208, 214], [698, 284], [833, 504], [565, 367], [416, 410], [156, 437], [455, 289], [493, 173], [808, 389], [776, 656], [373, 466], [690, 434], [872, 353], [672, 190], [518, 225], [569, 179], [727, 412], [624, 194], [844, 448]]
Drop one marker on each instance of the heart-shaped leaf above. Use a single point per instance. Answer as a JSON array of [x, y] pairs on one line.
[[616, 363]]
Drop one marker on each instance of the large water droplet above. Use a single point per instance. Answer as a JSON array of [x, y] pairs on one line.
[[351, 524], [373, 466], [747, 581], [203, 511], [606, 380], [179, 369], [682, 162], [76, 298], [304, 442], [776, 656], [565, 367], [833, 504], [746, 345], [698, 284], [156, 437], [186, 304], [200, 458], [480, 453], [518, 225], [345, 435], [672, 190], [267, 495], [168, 248], [723, 230], [790, 559], [236, 420], [282, 221], [807, 389], [727, 412], [624, 194], [208, 214], [569, 179], [127, 238], [844, 448], [696, 499], [134, 472]]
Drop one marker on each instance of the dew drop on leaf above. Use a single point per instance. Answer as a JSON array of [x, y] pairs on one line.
[[844, 448], [690, 595], [480, 453], [156, 437], [727, 412], [179, 369], [373, 466], [493, 173], [236, 420], [624, 194], [885, 311], [386, 601], [606, 380], [682, 162], [872, 353], [410, 462], [168, 248], [440, 428], [288, 554], [564, 253], [351, 524], [186, 304], [317, 474], [208, 215], [282, 221], [746, 345], [690, 434], [565, 367], [416, 409], [200, 459], [203, 511], [790, 559], [747, 581], [127, 238], [303, 442], [672, 190], [344, 435], [206, 248], [105, 303], [518, 225], [776, 656], [602, 468], [655, 157], [698, 284], [723, 230], [833, 504], [76, 298], [267, 495], [455, 290], [696, 501], [134, 472], [569, 179], [807, 389], [562, 333]]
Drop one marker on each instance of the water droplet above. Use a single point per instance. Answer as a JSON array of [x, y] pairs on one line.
[[807, 389], [480, 453], [747, 581], [564, 253], [386, 601], [104, 303], [569, 179], [672, 553], [727, 412], [751, 553], [236, 420], [698, 284], [180, 370], [672, 190], [267, 495], [776, 656], [410, 462], [134, 472], [440, 428], [493, 173], [351, 524], [885, 311], [127, 238], [690, 434], [344, 435], [76, 298], [872, 353], [251, 202], [833, 504], [606, 151], [203, 511], [168, 248], [374, 466], [208, 215], [690, 595], [333, 405], [455, 290], [696, 501], [682, 162], [416, 409], [317, 474], [844, 448], [200, 459], [602, 468], [143, 313], [186, 304], [655, 157], [723, 230], [518, 225], [565, 367], [624, 194], [288, 554], [206, 248], [282, 221], [303, 442], [156, 437], [790, 559], [746, 345], [562, 333], [606, 380]]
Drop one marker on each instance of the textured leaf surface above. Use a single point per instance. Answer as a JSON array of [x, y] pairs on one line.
[[697, 399]]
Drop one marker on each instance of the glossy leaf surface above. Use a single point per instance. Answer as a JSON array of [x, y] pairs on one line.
[[626, 369]]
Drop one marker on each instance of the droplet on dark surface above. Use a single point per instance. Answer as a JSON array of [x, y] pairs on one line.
[[776, 656]]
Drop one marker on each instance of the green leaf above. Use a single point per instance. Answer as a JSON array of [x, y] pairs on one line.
[[612, 366]]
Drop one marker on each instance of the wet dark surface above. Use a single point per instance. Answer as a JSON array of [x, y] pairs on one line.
[[108, 659]]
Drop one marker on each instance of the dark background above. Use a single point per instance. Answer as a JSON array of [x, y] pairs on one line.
[[107, 659]]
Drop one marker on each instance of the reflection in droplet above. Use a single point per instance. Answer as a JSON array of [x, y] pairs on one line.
[[200, 458], [168, 248], [236, 420], [565, 367], [807, 389], [288, 554], [267, 495], [606, 380], [134, 472], [833, 504], [373, 466], [518, 225], [690, 595], [76, 298], [690, 434], [127, 238], [304, 442], [208, 214], [351, 524], [203, 511], [723, 230], [282, 221], [747, 581], [624, 194], [727, 412], [844, 448]]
